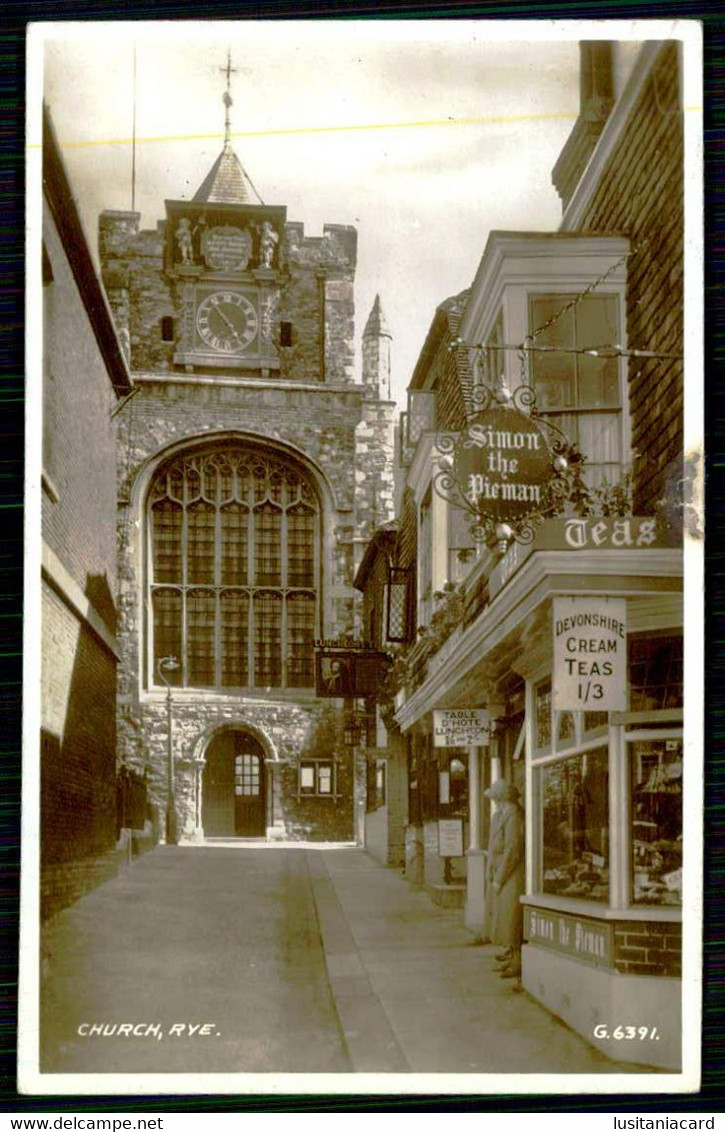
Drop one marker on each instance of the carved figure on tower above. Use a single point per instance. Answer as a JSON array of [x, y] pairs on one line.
[[184, 240], [267, 243]]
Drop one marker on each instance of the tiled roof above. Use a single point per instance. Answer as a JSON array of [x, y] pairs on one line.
[[225, 182]]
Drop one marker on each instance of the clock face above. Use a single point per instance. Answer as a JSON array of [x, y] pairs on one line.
[[226, 321]]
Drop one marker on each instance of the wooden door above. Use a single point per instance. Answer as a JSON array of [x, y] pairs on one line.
[[234, 800], [249, 800]]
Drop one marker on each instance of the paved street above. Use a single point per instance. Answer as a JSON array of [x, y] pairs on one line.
[[286, 959], [193, 936]]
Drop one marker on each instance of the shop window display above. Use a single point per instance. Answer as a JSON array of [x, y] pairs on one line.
[[542, 709], [565, 730], [655, 673], [575, 808], [656, 790]]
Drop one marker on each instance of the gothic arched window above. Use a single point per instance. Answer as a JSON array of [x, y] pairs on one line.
[[234, 535]]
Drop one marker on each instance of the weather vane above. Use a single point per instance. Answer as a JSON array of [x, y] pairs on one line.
[[229, 70]]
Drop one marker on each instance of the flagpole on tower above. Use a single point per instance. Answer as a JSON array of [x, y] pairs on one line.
[[133, 137]]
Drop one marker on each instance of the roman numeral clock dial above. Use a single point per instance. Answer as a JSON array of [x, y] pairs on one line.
[[226, 321]]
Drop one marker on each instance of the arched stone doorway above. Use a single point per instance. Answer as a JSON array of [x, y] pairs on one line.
[[234, 788]]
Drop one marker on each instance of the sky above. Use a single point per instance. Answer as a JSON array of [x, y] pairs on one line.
[[423, 134]]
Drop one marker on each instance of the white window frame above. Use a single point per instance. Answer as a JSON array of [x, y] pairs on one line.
[[517, 267]]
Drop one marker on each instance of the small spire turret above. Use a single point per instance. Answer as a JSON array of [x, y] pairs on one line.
[[376, 343]]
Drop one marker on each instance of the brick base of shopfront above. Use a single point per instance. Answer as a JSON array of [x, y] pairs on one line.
[[615, 982]]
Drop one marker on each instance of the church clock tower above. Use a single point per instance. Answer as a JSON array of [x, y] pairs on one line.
[[222, 256]]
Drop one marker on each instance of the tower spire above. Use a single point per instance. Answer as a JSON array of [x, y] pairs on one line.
[[227, 99]]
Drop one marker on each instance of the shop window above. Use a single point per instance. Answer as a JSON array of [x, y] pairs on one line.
[[234, 535], [458, 786], [317, 778], [414, 807], [655, 673], [462, 551], [542, 716], [565, 730], [376, 784], [595, 721], [574, 794], [580, 391], [656, 807], [429, 789]]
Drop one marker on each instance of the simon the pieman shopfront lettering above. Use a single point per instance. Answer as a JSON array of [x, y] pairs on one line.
[[589, 940]]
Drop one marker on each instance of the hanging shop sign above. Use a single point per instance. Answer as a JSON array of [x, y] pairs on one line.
[[450, 837], [590, 654], [462, 728], [349, 673], [588, 940], [503, 463], [508, 467]]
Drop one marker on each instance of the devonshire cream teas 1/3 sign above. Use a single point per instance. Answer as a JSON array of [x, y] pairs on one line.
[[590, 654], [463, 728]]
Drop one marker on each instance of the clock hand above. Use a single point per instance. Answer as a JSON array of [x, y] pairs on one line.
[[230, 324]]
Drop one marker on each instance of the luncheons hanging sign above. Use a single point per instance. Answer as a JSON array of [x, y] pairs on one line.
[[590, 654]]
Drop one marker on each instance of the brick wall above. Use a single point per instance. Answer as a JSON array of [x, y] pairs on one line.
[[78, 438], [648, 948], [78, 756], [78, 668], [640, 194]]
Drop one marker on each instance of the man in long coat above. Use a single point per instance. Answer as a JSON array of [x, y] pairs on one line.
[[506, 875]]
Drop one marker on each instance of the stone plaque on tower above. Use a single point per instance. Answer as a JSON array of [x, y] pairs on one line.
[[226, 248]]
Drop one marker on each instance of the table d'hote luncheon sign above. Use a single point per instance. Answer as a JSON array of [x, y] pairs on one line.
[[590, 653], [461, 728]]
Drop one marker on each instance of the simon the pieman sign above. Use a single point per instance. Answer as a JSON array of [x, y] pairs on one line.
[[462, 728], [590, 654]]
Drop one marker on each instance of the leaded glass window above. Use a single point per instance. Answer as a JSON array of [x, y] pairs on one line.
[[234, 545]]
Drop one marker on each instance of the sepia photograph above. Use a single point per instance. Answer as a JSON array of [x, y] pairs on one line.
[[364, 557]]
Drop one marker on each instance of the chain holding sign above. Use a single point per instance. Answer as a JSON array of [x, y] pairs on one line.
[[590, 654]]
